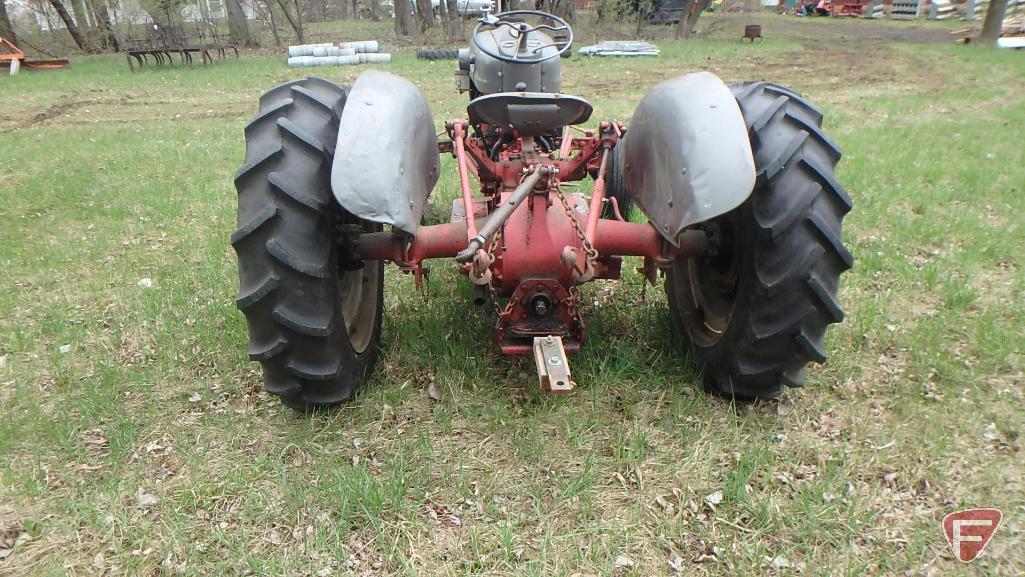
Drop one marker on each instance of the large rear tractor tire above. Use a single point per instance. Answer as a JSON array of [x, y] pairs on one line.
[[756, 308], [313, 310]]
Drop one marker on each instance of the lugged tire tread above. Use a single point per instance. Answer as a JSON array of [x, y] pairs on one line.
[[295, 323], [255, 296], [283, 184], [782, 225], [758, 124], [820, 136], [269, 352], [832, 239], [800, 268], [831, 185], [300, 91], [793, 152], [812, 348], [253, 167], [279, 107], [278, 93], [302, 136], [285, 202], [279, 252], [796, 98], [261, 218], [312, 375], [827, 302]]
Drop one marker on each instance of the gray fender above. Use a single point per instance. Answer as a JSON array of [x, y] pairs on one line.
[[687, 153], [386, 158]]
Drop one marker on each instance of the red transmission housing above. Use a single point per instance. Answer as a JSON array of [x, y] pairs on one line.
[[535, 256]]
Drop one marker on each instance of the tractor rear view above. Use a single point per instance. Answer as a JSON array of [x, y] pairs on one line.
[[737, 184]]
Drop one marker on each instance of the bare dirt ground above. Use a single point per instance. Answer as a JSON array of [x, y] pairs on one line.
[[841, 29]]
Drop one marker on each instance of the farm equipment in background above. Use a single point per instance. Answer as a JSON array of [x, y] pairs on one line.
[[162, 43], [667, 11], [9, 54], [852, 8], [737, 184]]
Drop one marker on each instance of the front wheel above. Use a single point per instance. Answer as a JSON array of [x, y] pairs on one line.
[[756, 307], [313, 309]]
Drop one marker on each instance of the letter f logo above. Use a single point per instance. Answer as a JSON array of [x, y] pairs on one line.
[[969, 531]]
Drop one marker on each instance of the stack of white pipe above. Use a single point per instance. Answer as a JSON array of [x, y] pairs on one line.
[[328, 54], [321, 51], [297, 61], [306, 49], [360, 47]]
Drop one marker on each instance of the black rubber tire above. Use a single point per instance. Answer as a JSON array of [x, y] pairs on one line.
[[785, 257], [615, 187], [437, 54], [287, 241]]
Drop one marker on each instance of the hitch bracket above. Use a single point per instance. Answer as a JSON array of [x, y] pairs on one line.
[[552, 365]]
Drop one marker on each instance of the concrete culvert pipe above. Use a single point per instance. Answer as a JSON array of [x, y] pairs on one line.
[[301, 61], [306, 49], [364, 46]]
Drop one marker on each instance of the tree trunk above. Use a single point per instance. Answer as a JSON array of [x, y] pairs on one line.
[[237, 25], [678, 30], [375, 10], [402, 17], [69, 22], [102, 18], [455, 28], [565, 9], [692, 11], [272, 22], [204, 12], [443, 12], [994, 22], [455, 21], [294, 19], [299, 21], [81, 16], [343, 10], [6, 28], [424, 14]]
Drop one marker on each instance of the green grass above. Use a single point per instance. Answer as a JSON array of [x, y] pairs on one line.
[[150, 448]]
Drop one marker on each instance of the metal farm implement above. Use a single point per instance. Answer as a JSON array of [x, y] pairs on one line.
[[9, 54], [737, 183], [163, 44]]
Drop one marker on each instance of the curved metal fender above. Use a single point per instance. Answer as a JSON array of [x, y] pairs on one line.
[[386, 158], [687, 153]]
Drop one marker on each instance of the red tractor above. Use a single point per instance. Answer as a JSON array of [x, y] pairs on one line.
[[743, 215]]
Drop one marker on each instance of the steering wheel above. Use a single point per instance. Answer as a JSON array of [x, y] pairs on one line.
[[520, 31]]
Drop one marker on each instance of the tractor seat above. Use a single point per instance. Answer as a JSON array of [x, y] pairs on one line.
[[529, 113]]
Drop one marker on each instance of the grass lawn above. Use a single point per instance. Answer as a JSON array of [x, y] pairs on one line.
[[136, 439]]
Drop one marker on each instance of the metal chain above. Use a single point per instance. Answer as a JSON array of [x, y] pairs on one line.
[[491, 287], [592, 254], [589, 250]]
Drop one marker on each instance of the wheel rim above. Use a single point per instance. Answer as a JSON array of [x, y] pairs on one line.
[[712, 286], [358, 289], [358, 293]]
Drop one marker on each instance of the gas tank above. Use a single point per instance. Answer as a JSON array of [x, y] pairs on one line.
[[490, 75]]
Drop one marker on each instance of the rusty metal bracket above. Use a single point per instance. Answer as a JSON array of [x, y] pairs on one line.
[[552, 365]]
